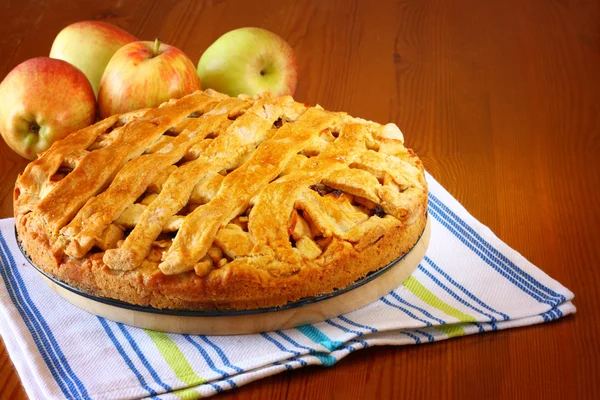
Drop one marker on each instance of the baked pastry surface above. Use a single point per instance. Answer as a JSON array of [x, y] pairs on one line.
[[213, 202]]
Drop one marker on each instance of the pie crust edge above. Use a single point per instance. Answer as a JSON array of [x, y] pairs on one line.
[[239, 288]]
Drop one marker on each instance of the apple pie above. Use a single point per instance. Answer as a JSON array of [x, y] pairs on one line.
[[213, 202]]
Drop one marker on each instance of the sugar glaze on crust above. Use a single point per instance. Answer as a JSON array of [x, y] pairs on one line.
[[212, 202]]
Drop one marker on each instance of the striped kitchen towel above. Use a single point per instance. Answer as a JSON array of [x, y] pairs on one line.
[[469, 282]]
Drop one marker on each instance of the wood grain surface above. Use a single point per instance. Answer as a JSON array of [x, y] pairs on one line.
[[501, 99]]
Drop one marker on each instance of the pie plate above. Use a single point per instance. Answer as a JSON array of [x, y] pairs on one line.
[[233, 322]]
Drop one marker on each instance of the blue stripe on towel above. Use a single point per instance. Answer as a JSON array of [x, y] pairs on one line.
[[142, 357], [545, 317], [294, 343], [463, 289], [346, 330], [410, 335], [427, 335], [125, 357], [210, 363], [558, 312], [422, 310], [221, 354], [481, 328], [405, 311], [288, 364], [41, 333], [59, 377], [325, 359], [354, 341], [509, 275], [283, 348], [453, 294], [319, 337], [350, 322], [447, 211]]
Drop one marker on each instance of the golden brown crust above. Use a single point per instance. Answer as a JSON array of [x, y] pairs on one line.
[[211, 202], [239, 288]]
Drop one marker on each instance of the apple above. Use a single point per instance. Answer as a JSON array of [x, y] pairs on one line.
[[42, 100], [249, 61], [89, 45], [145, 74]]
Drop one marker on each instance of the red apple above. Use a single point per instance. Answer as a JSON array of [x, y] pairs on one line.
[[249, 61], [145, 74], [89, 45], [43, 100]]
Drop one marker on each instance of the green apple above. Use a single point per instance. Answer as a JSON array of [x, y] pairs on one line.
[[249, 61], [42, 100], [89, 45], [145, 74]]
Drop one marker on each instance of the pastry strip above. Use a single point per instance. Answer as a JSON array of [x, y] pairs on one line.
[[268, 225], [199, 228], [133, 180], [224, 152], [99, 167]]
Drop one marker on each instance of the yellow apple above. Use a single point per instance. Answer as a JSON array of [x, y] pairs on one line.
[[89, 45], [249, 61]]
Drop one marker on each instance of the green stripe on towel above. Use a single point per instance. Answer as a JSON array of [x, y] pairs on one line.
[[452, 330], [178, 363]]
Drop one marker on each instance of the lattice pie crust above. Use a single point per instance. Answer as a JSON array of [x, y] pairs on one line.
[[213, 202]]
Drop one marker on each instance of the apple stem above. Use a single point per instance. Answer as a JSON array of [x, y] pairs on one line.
[[156, 46]]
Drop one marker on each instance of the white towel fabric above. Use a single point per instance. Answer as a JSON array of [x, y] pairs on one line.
[[469, 282]]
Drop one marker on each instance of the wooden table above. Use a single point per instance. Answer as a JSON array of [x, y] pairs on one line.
[[501, 99]]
